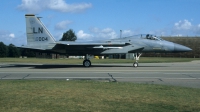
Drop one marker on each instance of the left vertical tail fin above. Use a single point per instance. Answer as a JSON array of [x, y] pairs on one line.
[[37, 34]]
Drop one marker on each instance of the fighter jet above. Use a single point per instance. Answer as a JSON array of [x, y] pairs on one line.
[[40, 39]]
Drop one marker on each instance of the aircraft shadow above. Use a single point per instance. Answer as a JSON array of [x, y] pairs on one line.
[[49, 66]]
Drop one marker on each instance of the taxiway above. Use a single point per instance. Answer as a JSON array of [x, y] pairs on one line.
[[186, 74]]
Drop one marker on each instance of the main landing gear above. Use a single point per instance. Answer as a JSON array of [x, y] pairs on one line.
[[87, 62], [136, 57]]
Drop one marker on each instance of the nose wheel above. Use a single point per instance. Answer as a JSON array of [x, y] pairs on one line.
[[136, 57], [135, 64]]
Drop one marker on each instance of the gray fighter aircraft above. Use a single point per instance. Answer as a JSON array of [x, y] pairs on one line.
[[39, 38]]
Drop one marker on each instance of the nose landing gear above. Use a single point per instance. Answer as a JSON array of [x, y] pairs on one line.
[[136, 57]]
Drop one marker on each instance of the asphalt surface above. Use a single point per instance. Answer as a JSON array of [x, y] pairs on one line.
[[186, 74]]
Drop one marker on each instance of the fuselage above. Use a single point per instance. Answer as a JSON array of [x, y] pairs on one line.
[[134, 44]]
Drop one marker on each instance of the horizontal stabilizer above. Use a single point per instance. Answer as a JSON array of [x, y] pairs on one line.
[[26, 47]]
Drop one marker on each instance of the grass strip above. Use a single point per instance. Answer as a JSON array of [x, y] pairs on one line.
[[61, 95]]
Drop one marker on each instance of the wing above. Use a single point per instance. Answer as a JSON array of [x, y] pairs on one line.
[[81, 45], [76, 48], [94, 44]]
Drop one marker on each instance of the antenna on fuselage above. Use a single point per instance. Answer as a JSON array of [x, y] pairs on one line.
[[120, 33]]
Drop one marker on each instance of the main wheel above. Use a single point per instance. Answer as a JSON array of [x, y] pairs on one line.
[[86, 63], [135, 64]]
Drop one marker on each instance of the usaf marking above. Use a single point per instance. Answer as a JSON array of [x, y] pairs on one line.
[[39, 30]]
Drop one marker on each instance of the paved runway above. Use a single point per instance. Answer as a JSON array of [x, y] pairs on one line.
[[185, 74]]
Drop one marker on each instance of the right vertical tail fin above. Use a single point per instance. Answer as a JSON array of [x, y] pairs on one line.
[[37, 34]]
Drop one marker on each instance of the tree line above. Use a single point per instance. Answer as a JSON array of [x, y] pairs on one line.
[[12, 51]]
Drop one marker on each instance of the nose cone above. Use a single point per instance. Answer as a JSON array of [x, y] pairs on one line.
[[181, 48]]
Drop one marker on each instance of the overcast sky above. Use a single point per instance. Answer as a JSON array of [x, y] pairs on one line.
[[100, 19]]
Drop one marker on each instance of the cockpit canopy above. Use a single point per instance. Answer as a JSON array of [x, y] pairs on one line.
[[151, 37], [146, 36]]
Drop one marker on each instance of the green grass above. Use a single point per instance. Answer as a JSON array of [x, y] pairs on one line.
[[79, 61], [60, 95]]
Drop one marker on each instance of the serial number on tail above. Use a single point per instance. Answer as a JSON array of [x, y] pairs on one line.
[[41, 38]]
